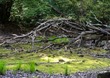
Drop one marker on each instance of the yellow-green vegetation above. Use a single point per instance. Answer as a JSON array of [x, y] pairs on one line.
[[53, 61], [18, 66], [55, 39], [2, 50], [32, 67], [2, 68], [66, 71], [74, 62]]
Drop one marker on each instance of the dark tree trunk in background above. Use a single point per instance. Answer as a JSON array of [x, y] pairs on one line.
[[6, 26], [5, 8]]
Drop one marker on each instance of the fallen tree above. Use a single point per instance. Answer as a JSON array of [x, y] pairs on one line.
[[78, 33]]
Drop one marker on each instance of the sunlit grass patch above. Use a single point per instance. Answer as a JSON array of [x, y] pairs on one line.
[[74, 66], [73, 61]]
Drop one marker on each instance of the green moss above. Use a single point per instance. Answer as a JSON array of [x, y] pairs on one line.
[[72, 61], [77, 64], [3, 50]]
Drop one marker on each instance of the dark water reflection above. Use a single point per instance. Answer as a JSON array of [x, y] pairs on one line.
[[104, 75]]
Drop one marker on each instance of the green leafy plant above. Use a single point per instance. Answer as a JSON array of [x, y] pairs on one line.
[[32, 67], [2, 67]]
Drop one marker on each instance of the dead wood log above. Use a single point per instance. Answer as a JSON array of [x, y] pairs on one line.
[[68, 28], [81, 35]]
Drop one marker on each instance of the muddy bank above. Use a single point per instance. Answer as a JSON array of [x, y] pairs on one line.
[[20, 74], [37, 74]]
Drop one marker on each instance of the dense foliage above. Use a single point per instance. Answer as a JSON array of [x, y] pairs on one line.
[[30, 11]]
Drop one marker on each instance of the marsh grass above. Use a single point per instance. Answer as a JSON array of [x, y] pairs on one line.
[[75, 65], [18, 66], [66, 71], [32, 67], [50, 71], [2, 68], [48, 61]]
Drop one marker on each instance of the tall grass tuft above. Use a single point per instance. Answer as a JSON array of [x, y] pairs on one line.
[[66, 72], [18, 67], [2, 68], [48, 60], [32, 67]]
